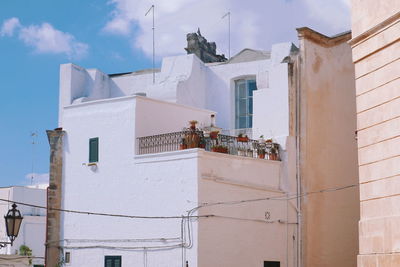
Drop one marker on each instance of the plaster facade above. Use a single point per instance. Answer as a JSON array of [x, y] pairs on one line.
[[295, 103], [376, 54], [328, 150], [33, 227]]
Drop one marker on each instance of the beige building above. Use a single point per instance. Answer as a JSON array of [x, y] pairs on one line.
[[327, 150], [376, 54]]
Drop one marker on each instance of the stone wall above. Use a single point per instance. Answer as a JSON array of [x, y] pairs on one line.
[[376, 54], [54, 198]]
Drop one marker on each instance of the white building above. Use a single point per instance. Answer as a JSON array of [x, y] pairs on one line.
[[121, 155], [33, 227]]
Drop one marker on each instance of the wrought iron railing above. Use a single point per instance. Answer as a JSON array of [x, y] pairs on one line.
[[216, 143]]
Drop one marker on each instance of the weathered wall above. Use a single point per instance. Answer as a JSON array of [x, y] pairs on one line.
[[376, 54], [14, 261], [54, 197], [239, 234], [328, 150]]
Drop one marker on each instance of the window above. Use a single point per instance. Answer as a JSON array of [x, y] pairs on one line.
[[93, 150], [112, 261], [67, 258], [244, 103], [272, 264]]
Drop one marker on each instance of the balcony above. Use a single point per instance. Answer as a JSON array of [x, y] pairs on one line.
[[214, 142]]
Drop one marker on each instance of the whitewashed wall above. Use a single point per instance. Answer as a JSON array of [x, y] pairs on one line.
[[120, 184], [186, 80]]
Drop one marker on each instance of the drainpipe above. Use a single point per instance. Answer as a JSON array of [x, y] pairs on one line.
[[298, 173]]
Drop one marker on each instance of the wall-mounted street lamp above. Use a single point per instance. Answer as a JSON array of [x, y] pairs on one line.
[[13, 223]]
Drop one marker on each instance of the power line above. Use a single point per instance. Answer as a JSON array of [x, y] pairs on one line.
[[189, 216], [103, 214], [289, 197]]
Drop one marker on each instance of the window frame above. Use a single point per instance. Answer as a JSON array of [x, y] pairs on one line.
[[94, 158], [113, 258], [249, 102]]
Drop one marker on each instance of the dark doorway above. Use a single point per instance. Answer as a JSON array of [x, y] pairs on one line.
[[272, 264]]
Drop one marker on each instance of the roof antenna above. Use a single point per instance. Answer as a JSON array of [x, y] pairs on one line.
[[229, 32], [33, 136], [152, 8]]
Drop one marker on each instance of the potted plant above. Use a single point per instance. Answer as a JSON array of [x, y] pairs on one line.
[[214, 134], [220, 149], [273, 152], [261, 153], [192, 139], [183, 144], [193, 124], [242, 138], [202, 143]]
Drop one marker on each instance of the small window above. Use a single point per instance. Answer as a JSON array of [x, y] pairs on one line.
[[67, 257], [272, 264], [112, 261], [93, 150]]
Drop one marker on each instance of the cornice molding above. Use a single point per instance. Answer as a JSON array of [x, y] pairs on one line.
[[321, 39], [374, 30]]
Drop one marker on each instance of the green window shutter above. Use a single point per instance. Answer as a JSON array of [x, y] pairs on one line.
[[112, 261], [93, 149]]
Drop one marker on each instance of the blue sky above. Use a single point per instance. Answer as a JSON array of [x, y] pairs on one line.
[[36, 36]]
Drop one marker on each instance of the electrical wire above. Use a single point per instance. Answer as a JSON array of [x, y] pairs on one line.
[[288, 197], [99, 213], [205, 204]]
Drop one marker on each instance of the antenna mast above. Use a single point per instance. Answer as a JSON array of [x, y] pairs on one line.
[[152, 9], [229, 32], [33, 136]]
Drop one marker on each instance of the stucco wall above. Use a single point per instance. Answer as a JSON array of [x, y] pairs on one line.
[[376, 55], [240, 234], [117, 184], [157, 117], [366, 14], [328, 154]]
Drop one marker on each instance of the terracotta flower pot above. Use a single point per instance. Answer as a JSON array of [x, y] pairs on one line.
[[213, 135], [242, 139]]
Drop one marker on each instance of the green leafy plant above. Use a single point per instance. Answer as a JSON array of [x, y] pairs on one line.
[[25, 251]]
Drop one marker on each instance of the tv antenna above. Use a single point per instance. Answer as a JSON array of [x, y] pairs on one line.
[[229, 32], [154, 51], [33, 142]]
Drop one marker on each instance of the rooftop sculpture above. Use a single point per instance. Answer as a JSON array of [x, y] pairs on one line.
[[206, 51]]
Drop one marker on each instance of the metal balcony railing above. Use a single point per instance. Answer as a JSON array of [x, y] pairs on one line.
[[210, 142]]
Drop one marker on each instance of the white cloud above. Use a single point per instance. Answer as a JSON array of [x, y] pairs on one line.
[[254, 23], [45, 38], [9, 26], [38, 178]]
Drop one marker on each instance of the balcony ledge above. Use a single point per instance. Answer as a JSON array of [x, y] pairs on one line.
[[194, 153]]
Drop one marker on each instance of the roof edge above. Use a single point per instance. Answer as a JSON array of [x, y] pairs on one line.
[[323, 40]]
